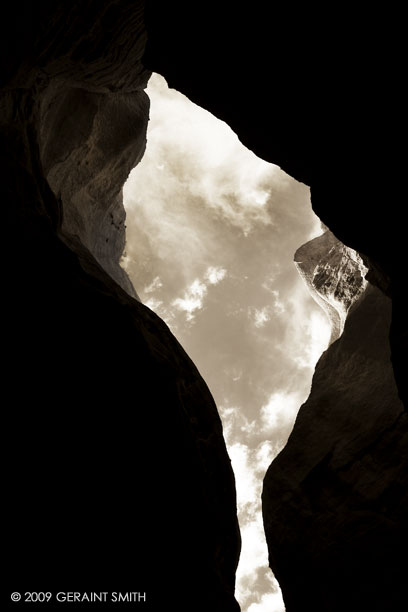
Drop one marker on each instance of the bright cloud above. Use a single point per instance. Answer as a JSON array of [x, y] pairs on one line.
[[319, 332], [270, 602], [278, 305], [312, 325], [154, 285], [183, 140], [211, 234], [194, 295], [250, 465], [261, 316], [215, 275], [279, 413], [281, 408], [192, 300], [154, 304]]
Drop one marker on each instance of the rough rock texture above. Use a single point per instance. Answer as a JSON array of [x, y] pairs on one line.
[[119, 475], [334, 275], [335, 499], [101, 137]]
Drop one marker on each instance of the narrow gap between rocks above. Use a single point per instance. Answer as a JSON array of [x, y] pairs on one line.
[[211, 235]]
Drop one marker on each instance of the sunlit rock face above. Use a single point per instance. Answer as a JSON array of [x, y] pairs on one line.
[[89, 142], [333, 507], [334, 275]]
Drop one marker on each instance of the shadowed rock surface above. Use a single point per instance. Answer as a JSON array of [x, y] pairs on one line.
[[334, 275], [123, 480], [101, 137], [119, 473], [335, 499]]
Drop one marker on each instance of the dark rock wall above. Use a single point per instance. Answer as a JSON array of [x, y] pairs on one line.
[[119, 475], [335, 499]]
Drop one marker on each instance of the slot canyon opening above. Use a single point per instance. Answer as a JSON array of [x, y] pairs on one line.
[[119, 476], [211, 235]]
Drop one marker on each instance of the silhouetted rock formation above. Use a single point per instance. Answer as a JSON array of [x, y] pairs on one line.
[[120, 479], [334, 275], [119, 473], [334, 500]]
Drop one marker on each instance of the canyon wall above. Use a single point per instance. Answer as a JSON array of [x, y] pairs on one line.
[[119, 476], [334, 500], [334, 275]]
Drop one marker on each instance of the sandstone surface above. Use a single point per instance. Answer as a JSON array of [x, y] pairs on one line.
[[335, 498], [334, 275]]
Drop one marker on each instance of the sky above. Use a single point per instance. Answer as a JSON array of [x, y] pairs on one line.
[[211, 235]]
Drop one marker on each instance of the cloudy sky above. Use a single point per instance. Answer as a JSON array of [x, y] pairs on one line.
[[211, 235]]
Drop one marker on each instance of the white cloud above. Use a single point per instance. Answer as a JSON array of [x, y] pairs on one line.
[[249, 427], [214, 275], [280, 410], [317, 331], [278, 305], [193, 298], [265, 453], [201, 209], [255, 558], [270, 283], [154, 285], [234, 421], [261, 316], [194, 295], [235, 183], [308, 329], [249, 465], [243, 465], [153, 303], [270, 602]]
